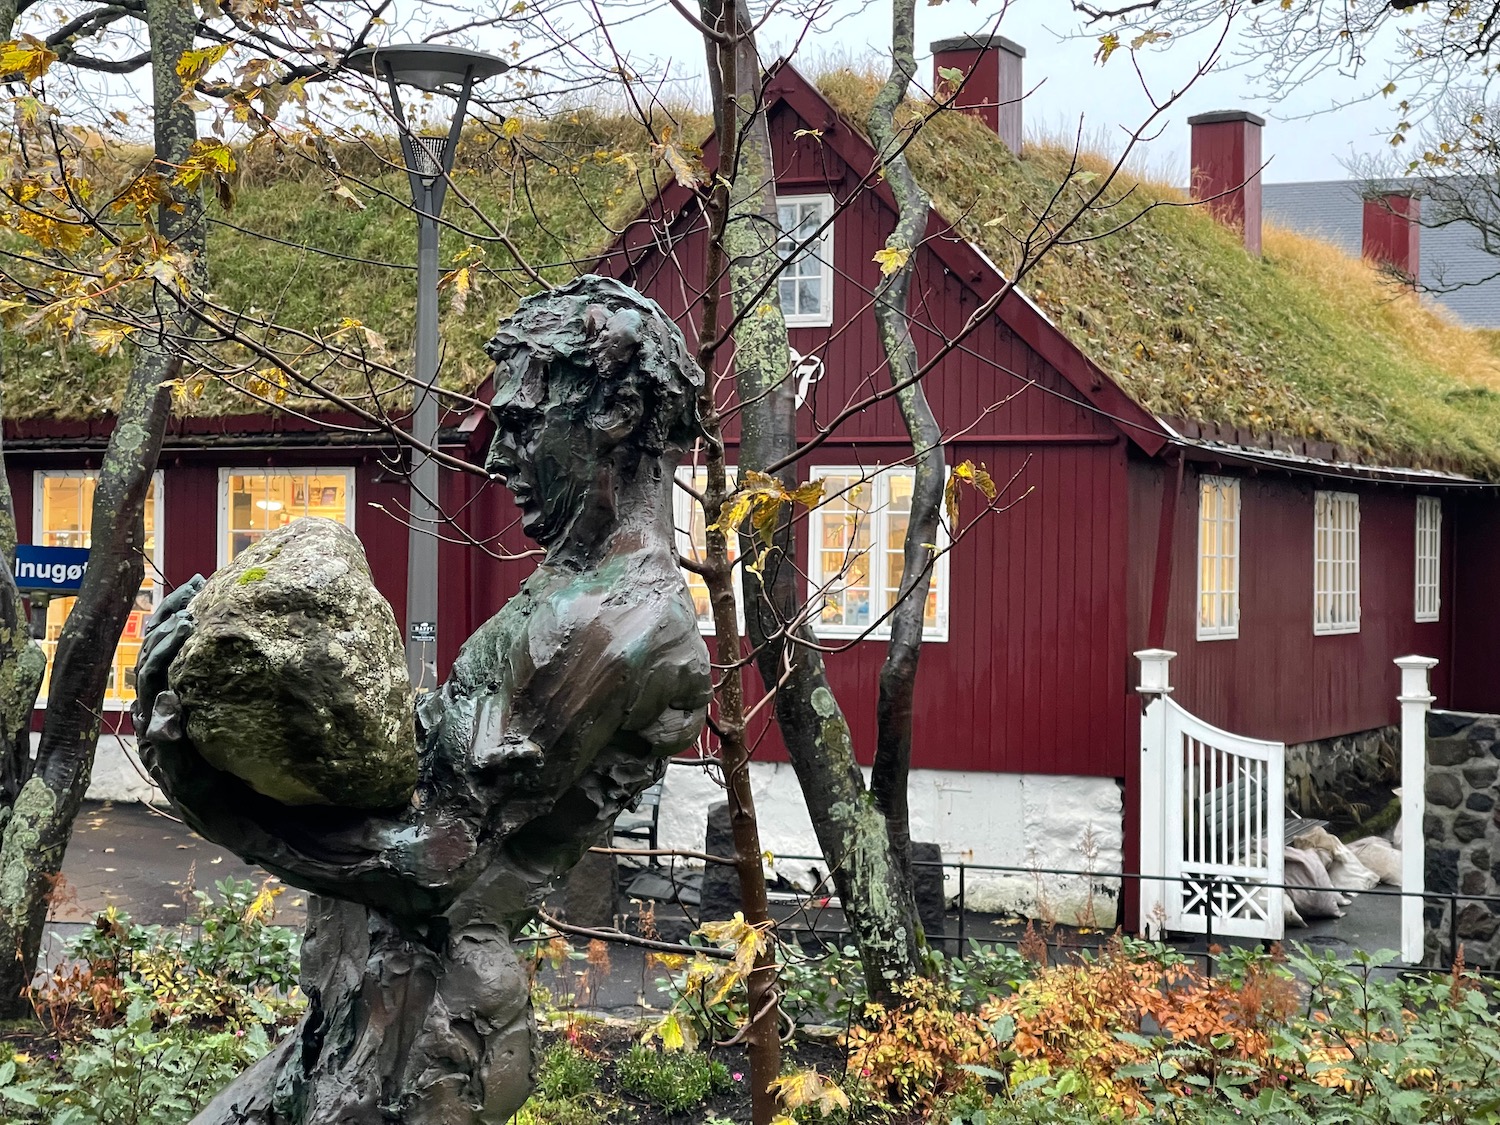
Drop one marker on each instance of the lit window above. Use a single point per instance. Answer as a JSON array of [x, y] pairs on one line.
[[1336, 563], [1218, 558], [692, 544], [64, 509], [806, 281], [857, 559], [1429, 552], [255, 502]]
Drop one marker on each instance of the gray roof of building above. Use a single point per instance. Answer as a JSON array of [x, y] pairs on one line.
[[1455, 269]]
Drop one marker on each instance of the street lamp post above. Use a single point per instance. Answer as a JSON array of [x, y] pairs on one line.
[[429, 159]]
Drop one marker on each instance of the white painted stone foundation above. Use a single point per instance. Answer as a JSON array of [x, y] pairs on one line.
[[1008, 820], [118, 774]]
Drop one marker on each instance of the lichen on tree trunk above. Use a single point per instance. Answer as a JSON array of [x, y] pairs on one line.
[[851, 832], [898, 674], [37, 834]]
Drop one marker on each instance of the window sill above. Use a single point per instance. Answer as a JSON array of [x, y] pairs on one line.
[[855, 634], [1427, 618], [1234, 636], [808, 321], [1334, 630]]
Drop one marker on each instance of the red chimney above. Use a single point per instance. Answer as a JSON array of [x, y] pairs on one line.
[[1393, 232], [991, 89], [1226, 169]]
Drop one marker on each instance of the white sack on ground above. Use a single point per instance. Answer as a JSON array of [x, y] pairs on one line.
[[1304, 869], [1380, 856]]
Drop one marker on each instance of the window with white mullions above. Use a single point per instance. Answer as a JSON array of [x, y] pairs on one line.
[[1218, 558], [692, 544], [805, 286], [1429, 557], [1336, 563], [857, 561]]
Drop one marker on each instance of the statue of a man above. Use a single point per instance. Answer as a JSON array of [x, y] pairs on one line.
[[558, 711]]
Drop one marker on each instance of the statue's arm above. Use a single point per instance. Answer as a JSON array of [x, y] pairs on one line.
[[403, 859]]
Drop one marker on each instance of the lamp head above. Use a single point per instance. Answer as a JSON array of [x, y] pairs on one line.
[[433, 67]]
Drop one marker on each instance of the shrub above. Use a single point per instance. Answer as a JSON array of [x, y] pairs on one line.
[[239, 969], [566, 1072], [673, 1080], [923, 1047], [147, 1068]]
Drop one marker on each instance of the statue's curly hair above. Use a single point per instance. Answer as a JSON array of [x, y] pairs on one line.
[[601, 345]]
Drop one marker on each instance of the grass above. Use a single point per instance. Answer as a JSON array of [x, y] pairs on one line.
[[1302, 341]]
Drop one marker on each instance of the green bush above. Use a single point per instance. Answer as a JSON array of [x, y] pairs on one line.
[[140, 1071], [566, 1072], [673, 1080], [235, 967]]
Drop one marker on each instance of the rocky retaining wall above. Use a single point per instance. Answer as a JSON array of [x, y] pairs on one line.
[[1462, 831], [1345, 780]]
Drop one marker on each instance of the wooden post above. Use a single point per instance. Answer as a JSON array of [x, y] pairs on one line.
[[1415, 699], [1155, 686]]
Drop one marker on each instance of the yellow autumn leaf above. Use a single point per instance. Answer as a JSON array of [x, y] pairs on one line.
[[106, 340], [27, 56], [891, 258], [966, 472], [195, 63], [805, 1088]]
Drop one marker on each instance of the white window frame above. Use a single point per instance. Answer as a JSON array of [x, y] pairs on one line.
[[346, 471], [1225, 490], [158, 553], [1428, 602], [817, 580], [1336, 605], [683, 506], [823, 254]]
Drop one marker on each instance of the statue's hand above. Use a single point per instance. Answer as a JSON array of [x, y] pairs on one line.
[[156, 712]]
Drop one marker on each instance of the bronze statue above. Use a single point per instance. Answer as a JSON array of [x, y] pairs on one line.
[[557, 713]]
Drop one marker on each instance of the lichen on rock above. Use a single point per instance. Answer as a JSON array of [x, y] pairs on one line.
[[295, 679]]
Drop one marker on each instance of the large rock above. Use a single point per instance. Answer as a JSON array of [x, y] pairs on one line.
[[294, 679]]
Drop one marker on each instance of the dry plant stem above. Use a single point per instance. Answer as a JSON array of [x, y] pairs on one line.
[[898, 674], [761, 1036]]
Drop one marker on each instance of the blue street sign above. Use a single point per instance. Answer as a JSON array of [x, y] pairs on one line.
[[52, 570]]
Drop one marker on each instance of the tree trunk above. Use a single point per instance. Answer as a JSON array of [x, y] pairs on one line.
[[22, 663], [41, 822], [763, 1034], [898, 675], [850, 829]]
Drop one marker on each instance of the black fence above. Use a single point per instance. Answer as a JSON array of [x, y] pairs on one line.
[[815, 916]]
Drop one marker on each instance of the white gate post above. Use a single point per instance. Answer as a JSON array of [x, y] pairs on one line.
[[1155, 685], [1415, 699]]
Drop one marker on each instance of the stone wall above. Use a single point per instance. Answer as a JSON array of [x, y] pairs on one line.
[[1462, 832], [1344, 780]]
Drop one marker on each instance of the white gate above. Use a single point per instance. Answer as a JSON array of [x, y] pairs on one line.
[[1212, 814]]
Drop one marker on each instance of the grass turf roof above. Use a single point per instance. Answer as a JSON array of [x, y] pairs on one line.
[[582, 177], [1302, 342]]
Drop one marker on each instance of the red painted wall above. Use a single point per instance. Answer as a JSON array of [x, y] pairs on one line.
[[1474, 567], [1278, 679]]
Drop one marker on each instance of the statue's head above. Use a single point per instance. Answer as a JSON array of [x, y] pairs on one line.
[[592, 380]]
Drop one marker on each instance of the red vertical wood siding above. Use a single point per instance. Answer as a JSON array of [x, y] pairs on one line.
[[1473, 568], [1278, 679]]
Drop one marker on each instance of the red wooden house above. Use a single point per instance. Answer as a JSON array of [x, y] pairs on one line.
[[1286, 573]]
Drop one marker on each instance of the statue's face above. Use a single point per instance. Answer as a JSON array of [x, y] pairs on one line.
[[549, 458]]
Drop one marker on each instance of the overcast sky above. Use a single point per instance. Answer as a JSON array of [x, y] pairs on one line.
[[1069, 83]]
